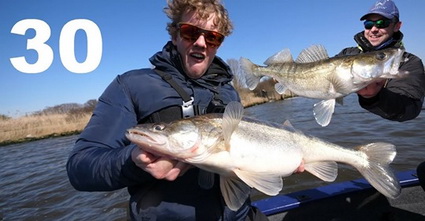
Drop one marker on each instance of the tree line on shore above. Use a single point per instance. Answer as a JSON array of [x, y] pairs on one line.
[[73, 110]]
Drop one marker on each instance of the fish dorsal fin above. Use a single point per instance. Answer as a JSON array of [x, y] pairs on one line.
[[323, 111], [289, 127], [312, 54], [326, 171], [283, 56], [270, 184], [231, 118], [235, 192]]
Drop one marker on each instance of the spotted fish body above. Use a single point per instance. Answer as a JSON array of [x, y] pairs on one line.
[[247, 153], [315, 75]]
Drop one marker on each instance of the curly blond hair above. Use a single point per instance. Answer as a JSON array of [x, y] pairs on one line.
[[203, 8]]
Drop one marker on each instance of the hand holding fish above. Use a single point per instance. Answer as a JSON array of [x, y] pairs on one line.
[[301, 168], [158, 166], [372, 89]]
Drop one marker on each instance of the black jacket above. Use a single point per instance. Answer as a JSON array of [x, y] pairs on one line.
[[401, 99], [101, 158]]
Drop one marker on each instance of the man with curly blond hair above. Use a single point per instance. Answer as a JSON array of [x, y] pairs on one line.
[[186, 71]]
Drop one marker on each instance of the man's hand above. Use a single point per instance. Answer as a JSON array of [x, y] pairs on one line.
[[158, 167], [300, 168], [372, 89]]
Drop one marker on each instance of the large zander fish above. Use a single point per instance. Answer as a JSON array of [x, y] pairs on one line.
[[315, 75], [247, 153]]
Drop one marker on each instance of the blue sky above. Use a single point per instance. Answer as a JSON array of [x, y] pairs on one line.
[[133, 30]]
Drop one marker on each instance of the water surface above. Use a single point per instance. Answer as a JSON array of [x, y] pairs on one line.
[[34, 184]]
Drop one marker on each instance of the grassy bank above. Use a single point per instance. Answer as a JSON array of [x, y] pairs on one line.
[[34, 127]]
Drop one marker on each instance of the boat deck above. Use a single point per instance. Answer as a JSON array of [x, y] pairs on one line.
[[351, 200]]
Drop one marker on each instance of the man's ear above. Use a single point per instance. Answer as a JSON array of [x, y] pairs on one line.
[[174, 40], [397, 26]]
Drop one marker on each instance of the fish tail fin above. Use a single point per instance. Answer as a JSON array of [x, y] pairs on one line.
[[251, 76], [378, 172]]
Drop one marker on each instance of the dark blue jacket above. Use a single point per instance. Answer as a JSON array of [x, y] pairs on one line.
[[101, 158], [401, 99]]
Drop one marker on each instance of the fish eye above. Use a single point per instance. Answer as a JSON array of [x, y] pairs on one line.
[[158, 127], [381, 56]]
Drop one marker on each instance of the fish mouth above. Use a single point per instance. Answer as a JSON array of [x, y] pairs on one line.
[[143, 138]]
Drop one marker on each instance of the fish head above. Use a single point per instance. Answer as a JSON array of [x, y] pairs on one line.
[[378, 64], [185, 139], [178, 139]]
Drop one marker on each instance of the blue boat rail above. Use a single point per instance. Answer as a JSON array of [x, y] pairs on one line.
[[284, 203]]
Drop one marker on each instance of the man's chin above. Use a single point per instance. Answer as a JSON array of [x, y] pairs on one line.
[[195, 74], [195, 71], [375, 42]]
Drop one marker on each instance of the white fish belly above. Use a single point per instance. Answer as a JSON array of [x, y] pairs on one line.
[[273, 156]]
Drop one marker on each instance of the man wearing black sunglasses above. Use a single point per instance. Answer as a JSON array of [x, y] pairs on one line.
[[394, 99]]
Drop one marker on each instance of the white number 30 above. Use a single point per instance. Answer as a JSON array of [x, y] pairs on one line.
[[66, 46]]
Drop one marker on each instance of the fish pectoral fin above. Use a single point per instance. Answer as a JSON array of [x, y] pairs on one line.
[[269, 184], [235, 192], [323, 111], [205, 179], [231, 118], [337, 85], [252, 81], [325, 170], [280, 88]]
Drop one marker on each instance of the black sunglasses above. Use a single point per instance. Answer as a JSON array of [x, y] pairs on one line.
[[382, 23], [191, 33]]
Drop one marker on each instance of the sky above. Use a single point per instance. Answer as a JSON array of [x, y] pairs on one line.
[[91, 42]]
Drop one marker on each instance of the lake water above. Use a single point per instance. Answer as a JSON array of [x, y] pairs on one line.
[[34, 184]]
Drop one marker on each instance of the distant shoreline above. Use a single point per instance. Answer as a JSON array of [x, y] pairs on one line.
[[37, 127]]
